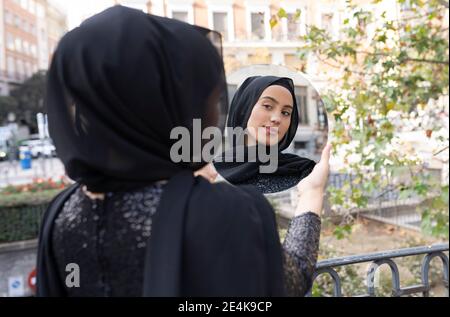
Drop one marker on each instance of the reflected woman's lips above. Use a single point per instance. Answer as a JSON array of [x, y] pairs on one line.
[[271, 130]]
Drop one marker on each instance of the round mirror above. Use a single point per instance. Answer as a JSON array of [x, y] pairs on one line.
[[276, 128]]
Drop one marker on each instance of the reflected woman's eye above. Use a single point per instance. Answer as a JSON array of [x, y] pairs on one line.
[[286, 113], [268, 107]]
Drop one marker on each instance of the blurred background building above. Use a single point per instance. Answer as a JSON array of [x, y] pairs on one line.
[[29, 32], [30, 29], [246, 27]]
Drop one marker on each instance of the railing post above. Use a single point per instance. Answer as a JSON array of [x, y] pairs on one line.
[[396, 291], [425, 270], [336, 279]]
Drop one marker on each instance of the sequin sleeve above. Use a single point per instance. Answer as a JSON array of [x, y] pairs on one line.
[[301, 247]]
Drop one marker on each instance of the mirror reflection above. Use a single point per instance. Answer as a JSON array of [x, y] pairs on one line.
[[279, 111]]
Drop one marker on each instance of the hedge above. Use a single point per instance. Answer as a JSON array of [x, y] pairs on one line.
[[21, 214]]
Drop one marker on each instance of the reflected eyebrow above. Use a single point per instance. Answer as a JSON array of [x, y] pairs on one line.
[[276, 101], [271, 98]]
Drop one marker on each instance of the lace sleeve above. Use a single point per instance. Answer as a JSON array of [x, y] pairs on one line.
[[300, 248]]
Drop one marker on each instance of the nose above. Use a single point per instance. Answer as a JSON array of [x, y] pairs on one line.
[[275, 119]]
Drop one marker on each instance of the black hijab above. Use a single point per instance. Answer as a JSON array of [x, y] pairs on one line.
[[241, 108], [117, 85]]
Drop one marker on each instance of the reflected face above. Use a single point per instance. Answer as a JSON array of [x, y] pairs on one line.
[[271, 116]]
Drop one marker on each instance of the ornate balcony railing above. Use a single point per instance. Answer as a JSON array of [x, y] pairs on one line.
[[387, 257]]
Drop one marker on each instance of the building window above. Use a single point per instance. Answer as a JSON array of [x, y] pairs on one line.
[[11, 66], [40, 11], [32, 6], [9, 17], [180, 15], [261, 56], [258, 30], [26, 47], [17, 21], [183, 12], [20, 68], [10, 41], [220, 19], [258, 24], [293, 26], [300, 145], [327, 22], [220, 24], [33, 50], [301, 96], [321, 113], [18, 44], [24, 4], [294, 61]]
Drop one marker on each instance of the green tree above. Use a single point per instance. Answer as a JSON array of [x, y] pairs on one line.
[[7, 105], [29, 97], [391, 77]]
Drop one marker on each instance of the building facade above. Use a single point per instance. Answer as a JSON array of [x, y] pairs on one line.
[[2, 51], [248, 35], [29, 32]]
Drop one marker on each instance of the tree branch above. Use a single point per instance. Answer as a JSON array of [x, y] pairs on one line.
[[440, 151], [427, 61], [340, 67], [410, 59]]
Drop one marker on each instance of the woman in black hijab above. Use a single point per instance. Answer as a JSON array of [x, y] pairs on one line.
[[253, 97], [135, 223]]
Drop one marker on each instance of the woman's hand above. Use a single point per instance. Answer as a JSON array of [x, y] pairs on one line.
[[312, 188], [208, 172]]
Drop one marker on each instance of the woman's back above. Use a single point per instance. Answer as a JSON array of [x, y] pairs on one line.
[[107, 239]]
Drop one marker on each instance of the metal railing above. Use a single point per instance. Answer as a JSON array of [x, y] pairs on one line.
[[384, 205], [386, 257]]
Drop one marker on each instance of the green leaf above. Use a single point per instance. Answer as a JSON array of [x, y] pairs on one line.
[[273, 22], [382, 38], [340, 232], [282, 13]]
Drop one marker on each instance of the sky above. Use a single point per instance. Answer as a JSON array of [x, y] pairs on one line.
[[78, 10]]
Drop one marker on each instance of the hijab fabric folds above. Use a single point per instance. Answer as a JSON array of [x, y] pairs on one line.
[[117, 86]]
